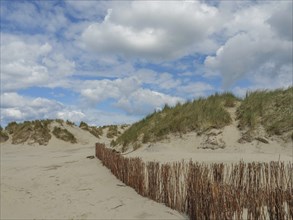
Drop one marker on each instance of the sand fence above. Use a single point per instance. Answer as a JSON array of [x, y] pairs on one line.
[[209, 191]]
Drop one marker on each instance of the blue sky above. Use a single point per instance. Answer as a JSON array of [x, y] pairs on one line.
[[113, 62]]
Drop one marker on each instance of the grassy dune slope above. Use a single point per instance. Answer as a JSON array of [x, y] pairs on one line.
[[199, 115], [271, 109], [38, 132]]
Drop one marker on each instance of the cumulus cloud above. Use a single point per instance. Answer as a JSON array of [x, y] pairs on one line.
[[25, 64], [151, 29], [11, 114], [195, 89], [19, 108], [99, 90], [75, 116], [88, 10], [135, 56], [254, 50], [144, 101], [46, 17], [100, 117], [15, 107], [280, 20], [129, 93]]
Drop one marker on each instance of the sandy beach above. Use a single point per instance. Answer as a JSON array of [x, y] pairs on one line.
[[59, 182]]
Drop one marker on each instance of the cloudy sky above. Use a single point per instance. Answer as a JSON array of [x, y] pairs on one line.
[[116, 61]]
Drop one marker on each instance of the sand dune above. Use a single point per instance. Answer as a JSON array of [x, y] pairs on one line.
[[207, 147], [58, 182]]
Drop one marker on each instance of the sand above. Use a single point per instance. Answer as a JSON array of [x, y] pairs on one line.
[[186, 148], [58, 182], [189, 147]]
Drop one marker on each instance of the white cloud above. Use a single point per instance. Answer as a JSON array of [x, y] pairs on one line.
[[11, 114], [20, 108], [99, 90], [89, 10], [167, 81], [280, 20], [44, 17], [195, 89], [254, 50], [99, 117], [244, 56], [76, 40], [75, 116], [15, 107], [151, 29], [144, 101], [25, 64]]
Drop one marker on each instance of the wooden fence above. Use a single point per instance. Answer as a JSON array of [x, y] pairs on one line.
[[209, 191]]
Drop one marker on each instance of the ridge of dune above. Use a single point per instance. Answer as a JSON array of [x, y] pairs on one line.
[[216, 145]]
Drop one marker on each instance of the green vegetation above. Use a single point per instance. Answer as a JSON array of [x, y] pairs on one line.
[[97, 132], [60, 121], [271, 109], [70, 123], [3, 135], [64, 135], [199, 115], [30, 131], [112, 131], [83, 125], [124, 126], [11, 127]]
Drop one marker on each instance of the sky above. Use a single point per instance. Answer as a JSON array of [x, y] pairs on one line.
[[114, 62]]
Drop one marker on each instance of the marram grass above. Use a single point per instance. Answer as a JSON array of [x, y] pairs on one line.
[[199, 115]]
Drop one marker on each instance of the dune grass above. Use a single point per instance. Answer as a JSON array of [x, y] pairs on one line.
[[199, 115], [96, 131], [3, 135], [70, 123], [64, 134], [271, 109], [32, 131], [112, 131]]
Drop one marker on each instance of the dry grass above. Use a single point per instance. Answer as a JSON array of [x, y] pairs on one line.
[[215, 191]]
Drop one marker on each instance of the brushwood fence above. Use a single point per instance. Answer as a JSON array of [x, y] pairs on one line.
[[209, 191]]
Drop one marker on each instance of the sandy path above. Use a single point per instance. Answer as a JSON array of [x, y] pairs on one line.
[[61, 183]]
